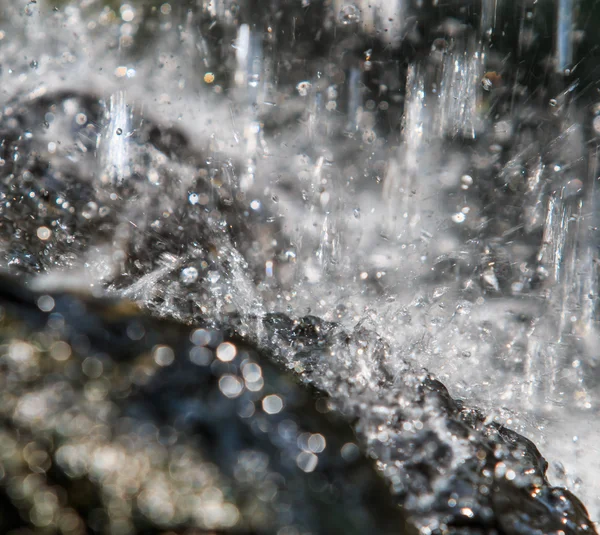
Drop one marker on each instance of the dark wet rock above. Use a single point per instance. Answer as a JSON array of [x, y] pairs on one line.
[[113, 422], [65, 210], [451, 468]]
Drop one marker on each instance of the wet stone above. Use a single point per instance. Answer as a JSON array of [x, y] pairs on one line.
[[127, 411], [153, 437]]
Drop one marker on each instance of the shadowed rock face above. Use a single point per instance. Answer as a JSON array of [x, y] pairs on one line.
[[113, 422]]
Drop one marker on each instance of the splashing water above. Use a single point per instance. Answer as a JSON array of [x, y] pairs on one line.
[[425, 174]]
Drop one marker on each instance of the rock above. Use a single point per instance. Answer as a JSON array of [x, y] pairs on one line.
[[64, 210], [452, 469], [112, 421]]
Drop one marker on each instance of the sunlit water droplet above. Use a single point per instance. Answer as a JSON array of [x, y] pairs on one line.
[[44, 233], [189, 275], [349, 14], [226, 352], [272, 404], [90, 210], [303, 88], [163, 355], [213, 276], [231, 386]]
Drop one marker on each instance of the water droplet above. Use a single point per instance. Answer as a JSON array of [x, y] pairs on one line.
[[459, 217], [226, 352], [60, 351], [90, 210], [92, 367], [269, 268], [350, 452], [307, 461], [119, 131], [467, 511], [303, 88], [45, 303], [317, 443], [136, 330], [44, 233], [189, 275], [349, 14], [231, 386], [200, 337], [163, 355], [201, 356], [213, 276], [127, 12], [272, 404], [251, 371]]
